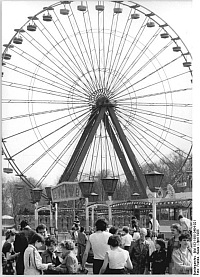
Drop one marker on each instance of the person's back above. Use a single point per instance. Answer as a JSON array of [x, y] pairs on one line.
[[117, 258], [98, 241], [81, 241], [126, 239], [82, 238], [99, 244], [185, 223], [20, 244]]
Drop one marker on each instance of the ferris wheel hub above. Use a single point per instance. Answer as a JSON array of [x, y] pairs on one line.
[[103, 101]]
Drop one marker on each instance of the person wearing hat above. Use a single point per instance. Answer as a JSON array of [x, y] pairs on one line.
[[158, 258], [139, 254]]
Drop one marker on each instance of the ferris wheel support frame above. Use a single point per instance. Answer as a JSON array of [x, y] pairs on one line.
[[98, 114]]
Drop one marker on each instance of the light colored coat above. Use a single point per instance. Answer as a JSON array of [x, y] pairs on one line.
[[182, 261], [33, 261]]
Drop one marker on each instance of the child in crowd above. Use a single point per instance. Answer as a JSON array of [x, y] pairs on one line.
[[158, 258]]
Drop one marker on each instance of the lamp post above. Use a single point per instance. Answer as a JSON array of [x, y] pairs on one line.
[[36, 194], [93, 198], [109, 185], [48, 193], [86, 189], [154, 180]]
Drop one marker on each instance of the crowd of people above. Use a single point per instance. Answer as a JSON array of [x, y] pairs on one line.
[[114, 251]]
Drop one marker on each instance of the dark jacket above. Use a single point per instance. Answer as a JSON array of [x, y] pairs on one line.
[[171, 245], [139, 257], [47, 257], [158, 260], [20, 245]]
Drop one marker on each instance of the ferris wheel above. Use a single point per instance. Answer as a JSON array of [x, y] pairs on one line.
[[91, 87]]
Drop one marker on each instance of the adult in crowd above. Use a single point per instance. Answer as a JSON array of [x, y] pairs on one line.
[[98, 241], [76, 223], [116, 258], [21, 243], [172, 245], [136, 236], [32, 260], [182, 257], [49, 256], [186, 223], [42, 230], [74, 234], [113, 230], [8, 251], [139, 254], [158, 258], [69, 264], [135, 224], [81, 241], [126, 239], [157, 228], [152, 247]]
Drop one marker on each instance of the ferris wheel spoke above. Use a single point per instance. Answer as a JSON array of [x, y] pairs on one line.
[[149, 145], [119, 51], [76, 100], [148, 123], [163, 128], [34, 114], [168, 144], [47, 69], [49, 134], [67, 71], [162, 115], [143, 66], [138, 114], [123, 100], [111, 46], [46, 123], [130, 51], [93, 47], [113, 156], [38, 101], [76, 31], [66, 66], [138, 57], [75, 60], [49, 149], [149, 75], [156, 83], [83, 169], [147, 104], [45, 81], [134, 141], [93, 161]]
